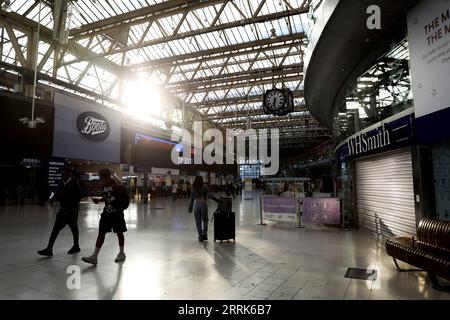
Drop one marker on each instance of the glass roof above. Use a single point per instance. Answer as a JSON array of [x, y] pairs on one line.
[[203, 51]]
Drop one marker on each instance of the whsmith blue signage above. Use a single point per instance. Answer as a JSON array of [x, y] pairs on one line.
[[365, 142], [389, 135]]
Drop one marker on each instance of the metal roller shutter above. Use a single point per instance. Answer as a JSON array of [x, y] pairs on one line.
[[385, 194]]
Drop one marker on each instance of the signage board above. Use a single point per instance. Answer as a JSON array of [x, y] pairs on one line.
[[85, 130], [93, 126], [280, 209], [55, 170], [321, 211], [429, 47], [393, 133]]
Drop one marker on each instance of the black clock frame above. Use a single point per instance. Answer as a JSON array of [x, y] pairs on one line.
[[287, 107], [270, 91]]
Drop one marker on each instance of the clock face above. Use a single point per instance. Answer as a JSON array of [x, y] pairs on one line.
[[275, 99]]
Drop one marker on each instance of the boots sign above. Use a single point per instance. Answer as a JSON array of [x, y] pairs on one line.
[[93, 126]]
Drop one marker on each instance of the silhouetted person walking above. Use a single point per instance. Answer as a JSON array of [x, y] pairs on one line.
[[116, 201], [188, 189], [174, 191], [200, 194], [230, 189], [69, 198]]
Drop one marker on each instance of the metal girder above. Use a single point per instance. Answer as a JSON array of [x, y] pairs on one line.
[[227, 56], [12, 37], [223, 52], [176, 36], [277, 121], [235, 101], [179, 71], [65, 84], [294, 142], [47, 55], [261, 124], [237, 77], [305, 138], [237, 115], [242, 84], [28, 26], [139, 16], [306, 134], [300, 144]]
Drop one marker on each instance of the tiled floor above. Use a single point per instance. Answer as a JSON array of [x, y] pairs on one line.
[[165, 261]]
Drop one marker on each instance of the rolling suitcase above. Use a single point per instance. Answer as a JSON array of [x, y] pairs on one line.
[[224, 221]]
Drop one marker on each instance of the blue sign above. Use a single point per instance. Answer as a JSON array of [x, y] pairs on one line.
[[388, 136]]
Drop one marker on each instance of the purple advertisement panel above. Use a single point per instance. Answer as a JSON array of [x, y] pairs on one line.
[[280, 209], [321, 211], [279, 205]]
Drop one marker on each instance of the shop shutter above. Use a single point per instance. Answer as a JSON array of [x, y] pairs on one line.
[[385, 194]]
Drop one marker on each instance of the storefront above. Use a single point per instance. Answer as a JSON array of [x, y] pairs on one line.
[[381, 158]]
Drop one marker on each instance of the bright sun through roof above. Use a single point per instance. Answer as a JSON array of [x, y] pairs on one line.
[[141, 100]]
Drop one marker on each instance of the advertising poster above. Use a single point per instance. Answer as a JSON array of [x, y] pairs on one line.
[[280, 209], [429, 45], [86, 130], [321, 211]]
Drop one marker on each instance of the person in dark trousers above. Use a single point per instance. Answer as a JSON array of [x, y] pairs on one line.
[[116, 201], [200, 194], [69, 198], [230, 189], [174, 191], [188, 189]]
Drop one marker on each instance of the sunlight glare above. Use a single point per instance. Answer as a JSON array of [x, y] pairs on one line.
[[142, 100]]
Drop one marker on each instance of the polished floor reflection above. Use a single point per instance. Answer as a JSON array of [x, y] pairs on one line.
[[165, 260]]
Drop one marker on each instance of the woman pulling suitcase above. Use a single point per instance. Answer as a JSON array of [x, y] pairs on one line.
[[200, 194]]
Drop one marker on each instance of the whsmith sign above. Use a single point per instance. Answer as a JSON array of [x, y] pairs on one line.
[[363, 142], [393, 133]]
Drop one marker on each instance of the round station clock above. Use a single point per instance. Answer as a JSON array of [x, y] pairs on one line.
[[274, 100], [279, 102]]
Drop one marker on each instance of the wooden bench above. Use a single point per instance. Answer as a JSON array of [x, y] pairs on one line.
[[430, 252]]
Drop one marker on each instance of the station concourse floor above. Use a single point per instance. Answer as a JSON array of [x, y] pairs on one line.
[[165, 260]]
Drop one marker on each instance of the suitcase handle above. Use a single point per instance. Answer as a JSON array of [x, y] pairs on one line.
[[212, 219]]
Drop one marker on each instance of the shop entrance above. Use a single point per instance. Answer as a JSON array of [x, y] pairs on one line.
[[385, 194]]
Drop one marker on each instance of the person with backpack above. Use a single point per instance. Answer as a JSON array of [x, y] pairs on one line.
[[69, 197], [112, 219], [200, 194]]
